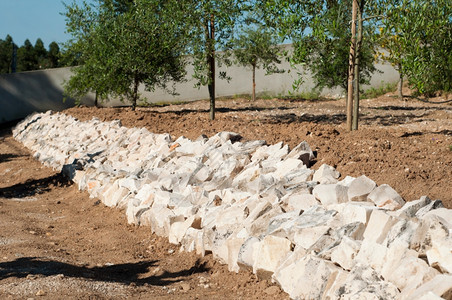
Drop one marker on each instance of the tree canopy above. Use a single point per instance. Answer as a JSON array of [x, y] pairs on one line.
[[118, 51], [257, 48]]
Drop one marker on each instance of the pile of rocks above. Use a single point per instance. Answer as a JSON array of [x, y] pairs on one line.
[[257, 207]]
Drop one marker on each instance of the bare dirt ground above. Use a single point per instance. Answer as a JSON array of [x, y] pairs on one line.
[[56, 242]]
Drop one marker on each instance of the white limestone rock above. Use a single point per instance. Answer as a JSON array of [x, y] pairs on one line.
[[308, 277], [298, 201], [344, 254], [380, 223], [146, 194], [326, 174], [360, 188], [159, 219], [443, 213], [404, 269], [329, 194], [245, 259], [269, 253], [440, 253], [191, 241], [302, 152], [117, 197], [178, 229], [404, 230], [409, 209], [306, 237], [431, 206], [134, 211], [440, 285], [371, 254], [260, 225], [234, 244], [386, 197], [287, 166], [354, 212], [364, 283]]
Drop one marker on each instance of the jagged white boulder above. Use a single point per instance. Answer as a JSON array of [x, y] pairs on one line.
[[440, 285], [360, 188], [308, 277], [380, 223], [329, 194], [245, 259], [386, 197], [344, 254], [326, 174], [268, 254]]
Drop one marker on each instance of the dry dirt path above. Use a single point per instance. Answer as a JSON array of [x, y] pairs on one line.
[[56, 242]]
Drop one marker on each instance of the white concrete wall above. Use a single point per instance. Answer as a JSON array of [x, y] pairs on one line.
[[36, 91], [27, 92]]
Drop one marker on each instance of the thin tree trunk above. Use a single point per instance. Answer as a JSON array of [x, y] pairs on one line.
[[351, 68], [96, 102], [400, 81], [253, 97], [211, 62], [135, 93], [357, 56]]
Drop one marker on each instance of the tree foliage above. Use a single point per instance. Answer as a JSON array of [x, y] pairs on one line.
[[212, 24], [257, 48], [321, 38], [27, 57], [118, 51], [418, 35], [53, 55], [6, 54]]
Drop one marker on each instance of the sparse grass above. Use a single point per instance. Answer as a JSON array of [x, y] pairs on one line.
[[304, 96], [450, 147], [384, 88], [162, 103]]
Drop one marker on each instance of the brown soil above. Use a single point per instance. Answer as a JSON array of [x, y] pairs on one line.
[[56, 242]]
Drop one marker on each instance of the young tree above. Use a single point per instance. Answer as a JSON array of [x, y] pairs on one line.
[[419, 36], [119, 51], [321, 40], [256, 48], [212, 24]]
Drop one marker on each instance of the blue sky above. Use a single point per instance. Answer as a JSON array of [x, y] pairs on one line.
[[34, 19]]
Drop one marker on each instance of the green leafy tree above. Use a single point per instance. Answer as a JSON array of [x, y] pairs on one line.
[[53, 55], [6, 54], [418, 37], [212, 24], [40, 53], [321, 40], [118, 51], [325, 50], [257, 48], [26, 57]]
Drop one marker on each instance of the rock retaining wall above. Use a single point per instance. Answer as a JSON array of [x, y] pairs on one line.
[[257, 207]]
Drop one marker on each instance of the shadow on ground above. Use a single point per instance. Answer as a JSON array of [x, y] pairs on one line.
[[123, 273], [33, 187], [5, 157], [336, 119]]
